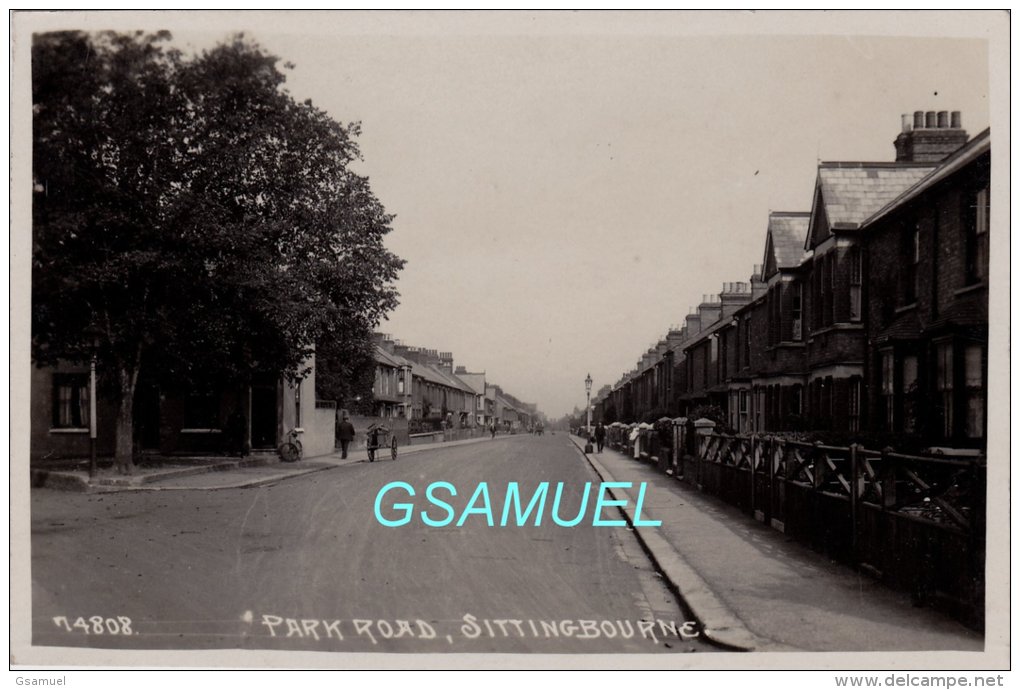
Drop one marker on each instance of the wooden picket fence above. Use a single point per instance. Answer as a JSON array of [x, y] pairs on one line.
[[916, 522]]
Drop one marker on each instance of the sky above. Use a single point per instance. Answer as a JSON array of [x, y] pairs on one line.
[[567, 186]]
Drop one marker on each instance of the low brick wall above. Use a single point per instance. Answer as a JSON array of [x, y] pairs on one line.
[[397, 427]]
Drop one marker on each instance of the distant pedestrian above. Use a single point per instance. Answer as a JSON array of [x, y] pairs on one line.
[[492, 429], [345, 434], [600, 436]]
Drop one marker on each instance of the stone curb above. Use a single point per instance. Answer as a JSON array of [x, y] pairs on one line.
[[60, 481], [719, 624], [224, 466], [251, 483], [71, 482]]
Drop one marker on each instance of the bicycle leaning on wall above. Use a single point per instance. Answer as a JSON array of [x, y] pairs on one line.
[[290, 450]]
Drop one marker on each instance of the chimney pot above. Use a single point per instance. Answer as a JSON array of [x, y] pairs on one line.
[[905, 122], [955, 118], [943, 119], [918, 119], [929, 119]]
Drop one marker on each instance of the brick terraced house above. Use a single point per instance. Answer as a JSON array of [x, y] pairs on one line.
[[869, 312]]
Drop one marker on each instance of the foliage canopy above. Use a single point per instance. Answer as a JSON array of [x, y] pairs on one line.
[[192, 217]]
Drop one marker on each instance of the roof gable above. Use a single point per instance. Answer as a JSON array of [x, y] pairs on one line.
[[818, 226], [784, 241], [769, 266], [846, 194]]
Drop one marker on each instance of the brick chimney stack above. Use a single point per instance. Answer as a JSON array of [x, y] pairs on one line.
[[758, 286], [675, 337], [693, 324], [709, 310], [929, 137], [733, 297], [446, 362], [432, 358], [407, 352]]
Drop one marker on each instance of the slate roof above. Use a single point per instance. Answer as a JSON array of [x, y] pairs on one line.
[[704, 334], [456, 382], [787, 231], [428, 373], [389, 359], [964, 156], [959, 316], [905, 327], [506, 404], [468, 385], [853, 192]]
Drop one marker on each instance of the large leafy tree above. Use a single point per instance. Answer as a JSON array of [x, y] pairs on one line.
[[345, 370], [193, 218]]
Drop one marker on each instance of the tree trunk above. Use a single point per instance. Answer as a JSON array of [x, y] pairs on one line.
[[124, 455]]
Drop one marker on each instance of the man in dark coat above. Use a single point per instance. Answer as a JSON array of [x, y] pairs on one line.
[[600, 436], [345, 434]]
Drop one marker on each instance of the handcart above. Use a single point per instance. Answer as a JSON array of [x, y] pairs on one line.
[[379, 439]]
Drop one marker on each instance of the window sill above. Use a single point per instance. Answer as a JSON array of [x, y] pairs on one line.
[[855, 326], [970, 288], [906, 308], [201, 431], [785, 343], [69, 430]]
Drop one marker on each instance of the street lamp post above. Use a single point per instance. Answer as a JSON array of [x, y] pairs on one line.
[[93, 337], [587, 409], [92, 416]]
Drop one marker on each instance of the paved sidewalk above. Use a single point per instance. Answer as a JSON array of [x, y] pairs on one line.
[[754, 588], [232, 473]]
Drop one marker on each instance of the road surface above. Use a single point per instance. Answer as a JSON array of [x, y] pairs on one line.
[[306, 565]]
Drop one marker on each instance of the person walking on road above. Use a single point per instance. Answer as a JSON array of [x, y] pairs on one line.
[[492, 429], [600, 436], [345, 434]]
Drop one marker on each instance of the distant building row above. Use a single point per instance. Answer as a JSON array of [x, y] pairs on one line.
[[869, 313], [422, 384], [410, 382]]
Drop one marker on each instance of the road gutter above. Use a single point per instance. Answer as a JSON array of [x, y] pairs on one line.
[[152, 482], [719, 624]]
